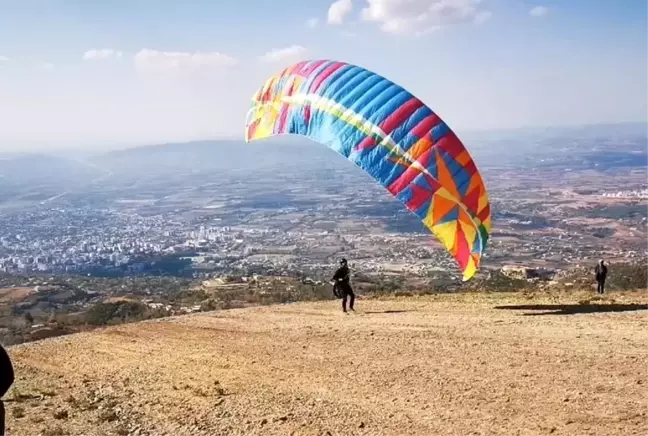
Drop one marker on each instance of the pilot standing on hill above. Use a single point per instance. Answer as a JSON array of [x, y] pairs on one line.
[[341, 279], [601, 274], [6, 380]]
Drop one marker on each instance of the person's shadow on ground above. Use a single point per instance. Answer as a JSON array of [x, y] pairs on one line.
[[574, 309], [387, 311]]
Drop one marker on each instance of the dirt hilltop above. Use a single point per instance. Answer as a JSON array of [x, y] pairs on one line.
[[447, 364]]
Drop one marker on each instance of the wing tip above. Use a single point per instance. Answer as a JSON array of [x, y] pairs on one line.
[[467, 276]]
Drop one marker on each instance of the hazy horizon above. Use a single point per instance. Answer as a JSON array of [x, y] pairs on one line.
[[467, 136]]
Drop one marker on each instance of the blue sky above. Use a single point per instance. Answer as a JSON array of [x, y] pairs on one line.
[[128, 72]]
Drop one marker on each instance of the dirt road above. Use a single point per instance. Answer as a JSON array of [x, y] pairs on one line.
[[467, 364]]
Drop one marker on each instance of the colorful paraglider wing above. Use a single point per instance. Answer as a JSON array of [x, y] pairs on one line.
[[390, 134]]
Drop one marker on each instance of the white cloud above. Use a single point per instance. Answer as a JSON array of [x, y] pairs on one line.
[[282, 54], [103, 53], [48, 66], [338, 10], [422, 16], [482, 17], [4, 59], [539, 11], [153, 61], [312, 22]]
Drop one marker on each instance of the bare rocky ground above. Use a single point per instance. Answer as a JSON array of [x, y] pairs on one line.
[[447, 364]]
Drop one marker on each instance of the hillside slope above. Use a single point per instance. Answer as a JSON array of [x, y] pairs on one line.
[[460, 364]]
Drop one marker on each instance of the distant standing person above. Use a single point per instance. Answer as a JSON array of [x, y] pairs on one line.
[[341, 279], [6, 380], [601, 273]]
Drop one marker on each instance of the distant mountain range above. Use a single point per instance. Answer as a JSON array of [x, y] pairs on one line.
[[601, 147]]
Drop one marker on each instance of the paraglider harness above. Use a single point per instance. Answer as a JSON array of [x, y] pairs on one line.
[[338, 292]]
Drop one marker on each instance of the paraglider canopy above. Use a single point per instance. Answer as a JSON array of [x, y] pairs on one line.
[[390, 134]]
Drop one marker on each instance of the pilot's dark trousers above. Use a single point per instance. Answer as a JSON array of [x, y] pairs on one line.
[[347, 292]]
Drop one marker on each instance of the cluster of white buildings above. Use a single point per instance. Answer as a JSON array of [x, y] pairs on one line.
[[635, 193]]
